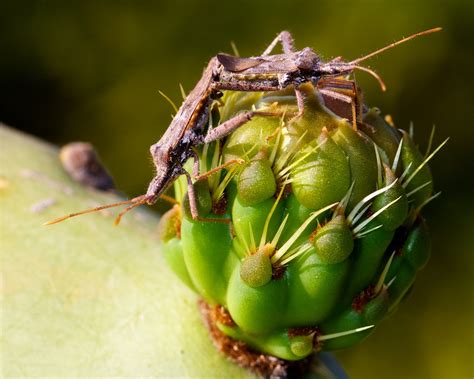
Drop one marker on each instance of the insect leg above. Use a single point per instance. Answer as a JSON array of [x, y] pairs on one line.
[[192, 196], [337, 90], [346, 99], [299, 101], [195, 164], [196, 171], [288, 46], [229, 126], [286, 41], [218, 168], [193, 200]]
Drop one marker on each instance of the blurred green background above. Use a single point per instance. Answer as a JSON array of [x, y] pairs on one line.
[[91, 71]]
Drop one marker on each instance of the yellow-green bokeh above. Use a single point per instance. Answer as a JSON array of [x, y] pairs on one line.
[[91, 71]]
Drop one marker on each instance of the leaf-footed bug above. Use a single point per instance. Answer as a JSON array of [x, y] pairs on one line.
[[275, 72], [226, 72]]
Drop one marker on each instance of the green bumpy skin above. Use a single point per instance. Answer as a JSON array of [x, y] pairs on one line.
[[321, 233]]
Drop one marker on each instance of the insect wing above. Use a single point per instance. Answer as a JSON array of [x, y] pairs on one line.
[[236, 64]]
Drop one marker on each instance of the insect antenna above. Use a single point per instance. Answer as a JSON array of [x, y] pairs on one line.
[[91, 210], [373, 73], [403, 40], [354, 65], [135, 202]]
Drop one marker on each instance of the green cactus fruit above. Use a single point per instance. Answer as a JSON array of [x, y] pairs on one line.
[[256, 269], [334, 241], [206, 248], [369, 311], [314, 230], [376, 309], [257, 310], [314, 288], [325, 167], [256, 182], [417, 175], [417, 247], [251, 138], [302, 346], [397, 213], [203, 197], [367, 259], [401, 282], [363, 165], [251, 219], [379, 131], [413, 256]]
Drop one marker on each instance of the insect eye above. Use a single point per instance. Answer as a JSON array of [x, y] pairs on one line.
[[217, 95]]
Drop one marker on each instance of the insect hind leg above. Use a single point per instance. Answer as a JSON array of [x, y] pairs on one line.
[[286, 41], [288, 45]]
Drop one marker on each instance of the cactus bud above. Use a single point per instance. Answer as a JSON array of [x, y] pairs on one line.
[[256, 182], [334, 241], [323, 234], [256, 269], [395, 215]]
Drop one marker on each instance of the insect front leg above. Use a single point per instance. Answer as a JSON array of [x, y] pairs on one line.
[[197, 175], [193, 198], [337, 91], [299, 101], [196, 168], [212, 171]]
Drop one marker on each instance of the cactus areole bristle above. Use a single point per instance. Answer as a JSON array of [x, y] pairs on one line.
[[326, 234]]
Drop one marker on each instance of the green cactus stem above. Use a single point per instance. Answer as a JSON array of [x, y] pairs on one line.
[[87, 299]]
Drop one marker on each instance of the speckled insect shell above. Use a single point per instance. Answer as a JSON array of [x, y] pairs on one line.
[[324, 235]]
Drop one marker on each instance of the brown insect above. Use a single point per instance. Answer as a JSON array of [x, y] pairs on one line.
[[266, 72]]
